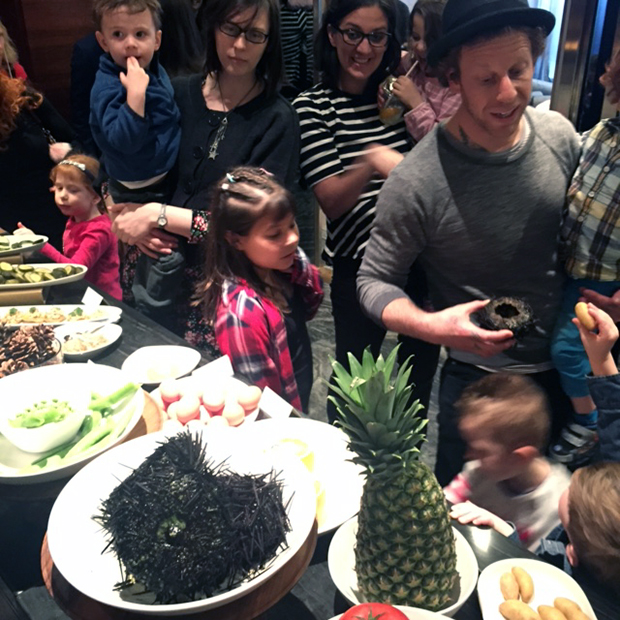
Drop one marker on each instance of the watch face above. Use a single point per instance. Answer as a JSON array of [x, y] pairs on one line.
[[162, 220]]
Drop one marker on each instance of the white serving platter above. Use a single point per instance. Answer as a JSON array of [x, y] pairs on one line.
[[152, 365], [39, 242], [81, 272], [76, 541], [341, 565], [60, 314], [110, 331], [341, 479], [100, 379], [549, 583]]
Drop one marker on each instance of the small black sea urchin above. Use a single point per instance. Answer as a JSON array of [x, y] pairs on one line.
[[507, 313], [186, 529]]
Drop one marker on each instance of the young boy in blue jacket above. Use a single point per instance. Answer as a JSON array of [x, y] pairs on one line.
[[135, 122]]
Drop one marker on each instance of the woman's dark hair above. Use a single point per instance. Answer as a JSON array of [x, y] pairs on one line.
[[181, 51], [213, 13], [237, 203], [325, 52], [431, 11]]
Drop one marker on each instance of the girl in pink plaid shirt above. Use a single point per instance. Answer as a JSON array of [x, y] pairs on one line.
[[259, 288], [427, 101]]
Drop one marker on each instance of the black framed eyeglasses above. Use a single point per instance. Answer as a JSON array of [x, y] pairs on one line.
[[252, 35], [352, 36]]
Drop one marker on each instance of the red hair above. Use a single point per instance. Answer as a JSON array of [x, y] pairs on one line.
[[14, 97]]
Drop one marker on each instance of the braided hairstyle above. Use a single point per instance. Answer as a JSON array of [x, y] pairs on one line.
[[239, 200]]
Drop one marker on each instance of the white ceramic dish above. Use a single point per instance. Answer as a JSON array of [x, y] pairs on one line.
[[22, 391], [151, 365], [40, 241], [342, 480], [81, 272], [110, 331], [341, 565], [549, 583], [76, 541], [96, 378], [58, 314], [412, 613], [198, 385]]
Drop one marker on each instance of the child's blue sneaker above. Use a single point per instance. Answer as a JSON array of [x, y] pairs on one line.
[[577, 446]]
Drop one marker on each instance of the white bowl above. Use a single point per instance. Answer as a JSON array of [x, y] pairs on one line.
[[110, 331], [22, 390], [341, 565], [151, 365]]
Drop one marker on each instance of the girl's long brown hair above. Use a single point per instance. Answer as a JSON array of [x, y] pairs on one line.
[[239, 200], [14, 97]]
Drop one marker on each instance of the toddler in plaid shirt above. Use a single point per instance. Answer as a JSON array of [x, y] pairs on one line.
[[259, 287], [591, 254]]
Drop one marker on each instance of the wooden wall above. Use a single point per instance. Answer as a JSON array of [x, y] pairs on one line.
[[44, 32]]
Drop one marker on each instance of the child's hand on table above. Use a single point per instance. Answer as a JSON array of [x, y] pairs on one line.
[[466, 512]]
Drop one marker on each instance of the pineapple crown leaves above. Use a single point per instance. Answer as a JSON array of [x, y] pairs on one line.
[[374, 411]]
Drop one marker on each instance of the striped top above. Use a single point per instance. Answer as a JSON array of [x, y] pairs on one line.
[[335, 129], [591, 245], [297, 32]]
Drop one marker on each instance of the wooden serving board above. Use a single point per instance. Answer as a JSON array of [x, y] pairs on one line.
[[80, 607], [150, 422]]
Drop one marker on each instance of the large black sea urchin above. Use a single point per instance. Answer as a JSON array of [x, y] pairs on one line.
[[186, 529], [507, 313]]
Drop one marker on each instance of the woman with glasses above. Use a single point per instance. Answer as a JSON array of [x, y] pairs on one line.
[[231, 115], [346, 155]]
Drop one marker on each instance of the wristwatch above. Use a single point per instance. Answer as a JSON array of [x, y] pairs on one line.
[[162, 220]]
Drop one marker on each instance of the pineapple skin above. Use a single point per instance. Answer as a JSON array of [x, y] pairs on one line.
[[405, 551]]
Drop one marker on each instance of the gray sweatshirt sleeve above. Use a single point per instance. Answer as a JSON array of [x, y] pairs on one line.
[[402, 224]]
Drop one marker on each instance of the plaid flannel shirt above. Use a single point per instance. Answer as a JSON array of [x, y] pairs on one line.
[[590, 239], [250, 329], [439, 102]]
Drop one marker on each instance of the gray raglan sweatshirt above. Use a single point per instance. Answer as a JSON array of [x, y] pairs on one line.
[[482, 225]]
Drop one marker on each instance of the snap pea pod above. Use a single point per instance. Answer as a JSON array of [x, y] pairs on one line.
[[105, 404]]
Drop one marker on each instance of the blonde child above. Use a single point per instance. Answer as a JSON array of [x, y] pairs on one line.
[[88, 238], [259, 288], [591, 258], [504, 420], [427, 101]]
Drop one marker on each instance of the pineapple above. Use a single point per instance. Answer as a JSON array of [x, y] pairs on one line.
[[405, 552]]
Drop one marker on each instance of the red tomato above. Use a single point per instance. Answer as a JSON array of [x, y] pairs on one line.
[[373, 611]]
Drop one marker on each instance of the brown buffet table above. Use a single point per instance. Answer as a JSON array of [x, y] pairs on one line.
[[23, 522]]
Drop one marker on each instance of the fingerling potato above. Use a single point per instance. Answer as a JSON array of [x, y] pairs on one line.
[[546, 612], [526, 584], [570, 609], [581, 310], [517, 610], [509, 587]]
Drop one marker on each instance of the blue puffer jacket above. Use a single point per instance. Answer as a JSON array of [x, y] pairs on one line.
[[134, 148]]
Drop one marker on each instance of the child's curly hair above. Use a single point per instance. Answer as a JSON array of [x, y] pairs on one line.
[[14, 97]]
